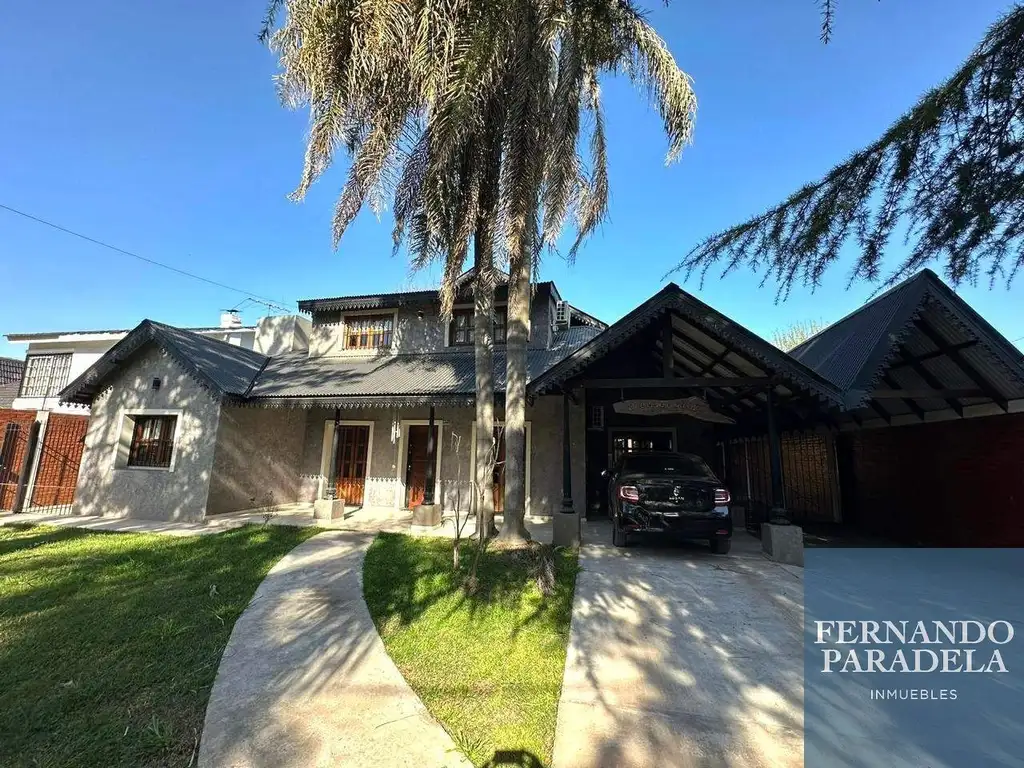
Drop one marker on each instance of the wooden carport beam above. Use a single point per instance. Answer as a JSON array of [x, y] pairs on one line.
[[907, 401], [933, 354], [668, 363], [928, 378], [938, 394], [962, 363], [693, 382]]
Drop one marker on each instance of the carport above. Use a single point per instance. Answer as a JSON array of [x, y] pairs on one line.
[[721, 380], [904, 419]]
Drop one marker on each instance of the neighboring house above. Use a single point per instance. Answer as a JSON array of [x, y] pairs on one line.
[[55, 358], [185, 426], [10, 380]]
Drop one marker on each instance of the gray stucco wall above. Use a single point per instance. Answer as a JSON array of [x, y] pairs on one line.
[[258, 458], [157, 494]]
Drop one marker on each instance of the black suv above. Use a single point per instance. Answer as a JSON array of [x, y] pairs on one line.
[[668, 493]]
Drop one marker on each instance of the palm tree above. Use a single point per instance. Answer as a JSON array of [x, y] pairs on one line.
[[560, 49], [467, 115]]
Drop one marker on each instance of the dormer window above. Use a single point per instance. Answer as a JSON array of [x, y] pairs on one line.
[[369, 331], [460, 330]]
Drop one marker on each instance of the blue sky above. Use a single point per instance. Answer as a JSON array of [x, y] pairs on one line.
[[159, 131]]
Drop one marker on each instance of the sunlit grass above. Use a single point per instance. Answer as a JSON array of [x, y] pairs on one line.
[[489, 665], [110, 642]]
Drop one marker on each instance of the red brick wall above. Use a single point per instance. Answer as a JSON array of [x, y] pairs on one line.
[[12, 459], [956, 483], [63, 443]]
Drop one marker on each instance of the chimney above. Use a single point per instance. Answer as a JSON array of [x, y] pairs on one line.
[[229, 318], [562, 319]]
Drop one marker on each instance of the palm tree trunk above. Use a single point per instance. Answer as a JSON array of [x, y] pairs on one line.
[[483, 310], [518, 325]]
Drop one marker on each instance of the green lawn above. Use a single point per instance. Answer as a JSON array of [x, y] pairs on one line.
[[487, 666], [109, 642]]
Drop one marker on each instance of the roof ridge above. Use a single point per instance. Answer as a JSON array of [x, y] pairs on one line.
[[924, 273]]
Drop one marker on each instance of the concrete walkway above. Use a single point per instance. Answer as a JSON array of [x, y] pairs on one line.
[[305, 680], [678, 657]]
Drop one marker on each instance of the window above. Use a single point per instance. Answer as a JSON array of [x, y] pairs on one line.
[[461, 327], [369, 331], [45, 375], [152, 441]]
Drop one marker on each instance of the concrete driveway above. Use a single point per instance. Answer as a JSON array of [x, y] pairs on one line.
[[678, 657]]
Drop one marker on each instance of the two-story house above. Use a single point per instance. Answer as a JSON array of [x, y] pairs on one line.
[[185, 426]]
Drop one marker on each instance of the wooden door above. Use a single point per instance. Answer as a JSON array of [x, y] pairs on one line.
[[416, 464], [350, 478]]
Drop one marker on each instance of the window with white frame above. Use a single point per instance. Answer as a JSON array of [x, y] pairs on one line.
[[45, 375], [152, 440], [369, 331]]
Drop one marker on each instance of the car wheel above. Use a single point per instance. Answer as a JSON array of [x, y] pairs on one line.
[[721, 546], [618, 535]]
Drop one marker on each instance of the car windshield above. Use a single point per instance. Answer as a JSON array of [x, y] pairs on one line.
[[666, 465]]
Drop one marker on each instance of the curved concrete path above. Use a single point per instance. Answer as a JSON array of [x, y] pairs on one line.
[[305, 680]]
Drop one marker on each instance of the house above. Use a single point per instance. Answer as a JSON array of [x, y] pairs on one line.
[[55, 358], [185, 426], [10, 379]]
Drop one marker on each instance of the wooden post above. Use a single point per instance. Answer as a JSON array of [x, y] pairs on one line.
[[778, 512], [331, 491], [428, 492], [26, 467], [566, 457]]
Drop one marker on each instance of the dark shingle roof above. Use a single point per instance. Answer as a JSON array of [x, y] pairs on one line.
[[843, 352], [223, 369], [11, 369], [10, 379], [448, 372], [856, 352]]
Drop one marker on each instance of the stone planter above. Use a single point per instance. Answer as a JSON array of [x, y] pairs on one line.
[[329, 509], [426, 516]]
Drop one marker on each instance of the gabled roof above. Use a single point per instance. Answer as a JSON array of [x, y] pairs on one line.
[[224, 369], [389, 379], [915, 318], [51, 335], [672, 298]]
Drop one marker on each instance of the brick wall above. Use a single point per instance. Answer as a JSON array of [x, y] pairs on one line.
[[57, 475], [952, 483], [12, 452]]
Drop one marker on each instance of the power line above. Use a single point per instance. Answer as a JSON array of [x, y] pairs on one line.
[[272, 303]]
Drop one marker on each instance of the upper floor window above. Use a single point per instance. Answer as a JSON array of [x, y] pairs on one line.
[[460, 330], [369, 331], [45, 375]]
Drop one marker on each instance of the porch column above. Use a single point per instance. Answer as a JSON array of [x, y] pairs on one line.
[[566, 457], [330, 492], [566, 530], [780, 539], [778, 513], [428, 492]]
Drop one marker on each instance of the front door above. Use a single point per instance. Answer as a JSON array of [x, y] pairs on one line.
[[416, 465], [350, 478]]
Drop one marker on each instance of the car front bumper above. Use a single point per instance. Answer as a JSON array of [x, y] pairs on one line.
[[718, 524]]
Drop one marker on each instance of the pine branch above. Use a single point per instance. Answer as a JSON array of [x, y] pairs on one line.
[[947, 177]]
